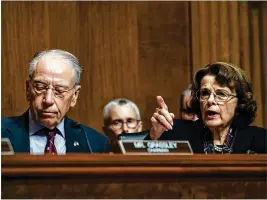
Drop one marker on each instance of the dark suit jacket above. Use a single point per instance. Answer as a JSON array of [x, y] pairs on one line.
[[17, 130], [247, 137]]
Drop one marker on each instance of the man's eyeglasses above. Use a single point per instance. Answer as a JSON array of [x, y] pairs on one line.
[[131, 123], [59, 91], [219, 95]]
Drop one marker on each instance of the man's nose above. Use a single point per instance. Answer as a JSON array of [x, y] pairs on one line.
[[49, 97], [125, 128]]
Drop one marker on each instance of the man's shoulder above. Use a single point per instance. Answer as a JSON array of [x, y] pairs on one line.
[[88, 130], [93, 132], [98, 142]]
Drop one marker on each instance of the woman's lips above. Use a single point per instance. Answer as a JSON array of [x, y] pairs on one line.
[[212, 115]]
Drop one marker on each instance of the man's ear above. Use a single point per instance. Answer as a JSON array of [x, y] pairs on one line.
[[75, 96], [140, 127], [105, 131], [28, 90], [109, 133]]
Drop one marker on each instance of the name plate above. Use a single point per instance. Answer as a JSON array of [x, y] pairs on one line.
[[145, 147]]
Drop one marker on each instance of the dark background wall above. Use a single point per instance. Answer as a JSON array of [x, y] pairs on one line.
[[136, 50]]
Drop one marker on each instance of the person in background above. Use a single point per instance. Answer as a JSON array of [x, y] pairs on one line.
[[223, 100], [186, 111], [52, 89], [121, 116]]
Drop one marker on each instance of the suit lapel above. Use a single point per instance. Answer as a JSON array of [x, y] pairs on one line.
[[75, 137], [18, 133]]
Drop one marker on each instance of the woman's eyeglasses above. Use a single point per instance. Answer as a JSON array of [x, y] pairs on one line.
[[219, 95]]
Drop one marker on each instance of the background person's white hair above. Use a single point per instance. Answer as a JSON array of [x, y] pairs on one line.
[[58, 54], [120, 102]]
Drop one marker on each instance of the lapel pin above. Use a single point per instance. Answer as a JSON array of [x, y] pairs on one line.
[[76, 143]]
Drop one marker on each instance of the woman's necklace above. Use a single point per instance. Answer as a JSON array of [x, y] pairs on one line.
[[219, 149]]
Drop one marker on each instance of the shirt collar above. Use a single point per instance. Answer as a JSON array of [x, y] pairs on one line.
[[34, 127]]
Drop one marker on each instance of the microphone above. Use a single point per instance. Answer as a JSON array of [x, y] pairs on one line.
[[87, 139]]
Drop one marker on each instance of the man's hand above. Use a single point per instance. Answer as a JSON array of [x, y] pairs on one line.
[[162, 119]]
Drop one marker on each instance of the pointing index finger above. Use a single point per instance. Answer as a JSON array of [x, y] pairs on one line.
[[161, 103]]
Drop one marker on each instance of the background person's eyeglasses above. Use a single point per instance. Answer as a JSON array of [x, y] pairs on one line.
[[219, 95], [131, 123], [58, 91]]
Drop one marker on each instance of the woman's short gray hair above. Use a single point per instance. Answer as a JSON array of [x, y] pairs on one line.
[[120, 102], [59, 54]]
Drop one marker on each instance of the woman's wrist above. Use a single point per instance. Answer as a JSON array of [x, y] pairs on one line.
[[152, 134]]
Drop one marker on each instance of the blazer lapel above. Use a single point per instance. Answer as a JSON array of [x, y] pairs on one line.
[[18, 133], [75, 137]]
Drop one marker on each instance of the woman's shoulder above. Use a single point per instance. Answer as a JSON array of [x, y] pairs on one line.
[[251, 133], [252, 138], [253, 129]]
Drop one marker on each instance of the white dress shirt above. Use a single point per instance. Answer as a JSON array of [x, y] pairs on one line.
[[38, 142]]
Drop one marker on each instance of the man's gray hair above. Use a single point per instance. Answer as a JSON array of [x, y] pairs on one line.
[[58, 54], [120, 102]]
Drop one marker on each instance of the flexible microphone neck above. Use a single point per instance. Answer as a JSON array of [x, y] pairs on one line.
[[86, 137]]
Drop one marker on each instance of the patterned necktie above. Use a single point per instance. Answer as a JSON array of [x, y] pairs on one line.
[[50, 147]]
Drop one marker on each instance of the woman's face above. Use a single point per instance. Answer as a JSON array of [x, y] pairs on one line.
[[216, 112]]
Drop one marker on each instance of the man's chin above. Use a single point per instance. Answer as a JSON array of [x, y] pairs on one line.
[[49, 123]]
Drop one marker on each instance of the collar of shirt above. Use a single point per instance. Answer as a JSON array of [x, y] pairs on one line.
[[34, 127]]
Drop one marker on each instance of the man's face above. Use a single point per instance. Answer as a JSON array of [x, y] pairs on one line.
[[50, 92], [187, 114], [123, 119]]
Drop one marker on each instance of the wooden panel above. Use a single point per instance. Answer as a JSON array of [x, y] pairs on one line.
[[224, 32], [234, 31], [23, 34], [204, 34], [117, 176], [128, 49], [256, 63], [214, 29], [244, 38], [263, 42], [108, 49], [163, 41], [135, 50], [195, 35]]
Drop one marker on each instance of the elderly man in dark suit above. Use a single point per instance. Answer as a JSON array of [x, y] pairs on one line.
[[52, 89]]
